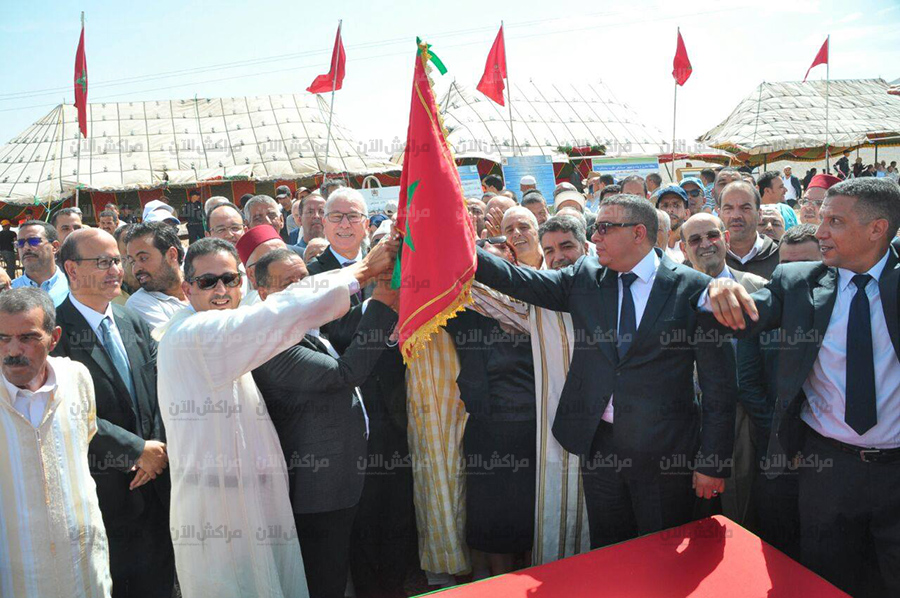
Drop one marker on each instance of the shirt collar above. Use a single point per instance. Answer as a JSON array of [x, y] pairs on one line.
[[647, 267], [94, 318], [49, 283], [48, 386], [725, 273], [160, 296], [342, 260], [846, 276], [757, 246]]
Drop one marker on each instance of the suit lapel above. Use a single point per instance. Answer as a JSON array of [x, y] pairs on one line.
[[132, 350], [609, 312], [659, 296], [824, 294], [887, 286]]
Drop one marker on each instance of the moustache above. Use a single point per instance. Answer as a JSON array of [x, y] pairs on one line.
[[13, 360]]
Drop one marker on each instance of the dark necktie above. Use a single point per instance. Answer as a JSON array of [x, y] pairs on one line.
[[627, 318], [860, 411], [359, 294]]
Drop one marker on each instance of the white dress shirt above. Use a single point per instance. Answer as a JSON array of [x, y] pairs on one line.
[[32, 405], [789, 191], [640, 293], [826, 385], [753, 250], [344, 261], [154, 307]]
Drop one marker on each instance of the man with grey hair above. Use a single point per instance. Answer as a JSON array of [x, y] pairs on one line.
[[653, 182], [623, 374], [838, 389], [47, 419], [521, 230], [215, 200], [346, 218], [262, 209], [563, 241]]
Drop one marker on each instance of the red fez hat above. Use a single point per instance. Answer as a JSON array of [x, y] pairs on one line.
[[253, 238], [823, 181]]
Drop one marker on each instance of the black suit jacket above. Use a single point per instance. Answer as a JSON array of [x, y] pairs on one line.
[[310, 397], [799, 300], [658, 418], [341, 331], [118, 443]]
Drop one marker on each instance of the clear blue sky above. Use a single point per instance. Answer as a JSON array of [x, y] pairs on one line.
[[733, 45]]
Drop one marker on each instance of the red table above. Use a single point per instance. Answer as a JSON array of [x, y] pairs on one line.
[[713, 557]]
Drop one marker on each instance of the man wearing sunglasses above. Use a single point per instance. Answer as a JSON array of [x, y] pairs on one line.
[[634, 357], [128, 456], [693, 187], [211, 406], [38, 243]]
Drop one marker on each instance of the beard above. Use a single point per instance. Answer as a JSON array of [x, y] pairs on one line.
[[162, 280]]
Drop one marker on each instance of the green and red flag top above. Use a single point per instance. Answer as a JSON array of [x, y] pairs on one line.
[[333, 80], [491, 83], [681, 65], [821, 58], [81, 83], [436, 263]]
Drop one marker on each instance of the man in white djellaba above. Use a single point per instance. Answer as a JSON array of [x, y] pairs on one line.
[[231, 519]]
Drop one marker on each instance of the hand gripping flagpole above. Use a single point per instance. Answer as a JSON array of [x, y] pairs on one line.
[[331, 110]]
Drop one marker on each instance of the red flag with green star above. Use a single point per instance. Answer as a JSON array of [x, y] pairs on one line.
[[436, 263], [81, 84]]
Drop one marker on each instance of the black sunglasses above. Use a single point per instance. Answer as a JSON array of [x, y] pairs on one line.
[[603, 227], [211, 281], [492, 240], [713, 236]]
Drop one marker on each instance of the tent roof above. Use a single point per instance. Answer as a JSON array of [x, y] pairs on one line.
[[140, 145], [788, 118], [546, 117]]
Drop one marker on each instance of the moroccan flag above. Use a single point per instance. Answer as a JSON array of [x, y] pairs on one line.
[[333, 79], [436, 263], [821, 58], [81, 84], [491, 83], [681, 65]]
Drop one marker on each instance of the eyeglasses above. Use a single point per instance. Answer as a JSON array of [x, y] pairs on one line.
[[31, 241], [309, 212], [817, 203], [221, 230], [492, 240], [352, 217], [103, 263], [712, 236], [206, 282], [694, 192], [601, 228]]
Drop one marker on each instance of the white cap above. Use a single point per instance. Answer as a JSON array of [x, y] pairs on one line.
[[390, 207], [154, 205], [528, 180], [161, 215], [383, 229]]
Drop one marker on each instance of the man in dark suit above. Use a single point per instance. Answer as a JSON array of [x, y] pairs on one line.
[[841, 321], [384, 543], [128, 455], [311, 395], [629, 396]]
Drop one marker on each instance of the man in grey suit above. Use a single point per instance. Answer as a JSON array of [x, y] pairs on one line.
[[311, 395], [838, 387], [628, 407]]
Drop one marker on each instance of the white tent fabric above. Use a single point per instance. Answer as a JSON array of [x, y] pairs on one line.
[[141, 145], [791, 116], [546, 117]]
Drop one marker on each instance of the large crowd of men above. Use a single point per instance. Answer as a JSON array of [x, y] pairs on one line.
[[229, 414]]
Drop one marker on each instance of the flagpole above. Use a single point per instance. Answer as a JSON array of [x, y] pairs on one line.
[[508, 91], [674, 113], [78, 137], [331, 110], [827, 82]]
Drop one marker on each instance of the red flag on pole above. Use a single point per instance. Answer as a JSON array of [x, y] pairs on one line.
[[333, 80], [491, 83], [821, 58], [436, 263], [81, 84], [681, 65]]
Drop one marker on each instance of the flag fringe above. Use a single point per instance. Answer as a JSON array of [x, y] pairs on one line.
[[412, 347]]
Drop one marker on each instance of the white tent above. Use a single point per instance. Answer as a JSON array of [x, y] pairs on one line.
[[789, 118], [546, 117], [142, 145]]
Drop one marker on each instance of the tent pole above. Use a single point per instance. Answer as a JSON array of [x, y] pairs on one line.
[[827, 84], [331, 110], [508, 92]]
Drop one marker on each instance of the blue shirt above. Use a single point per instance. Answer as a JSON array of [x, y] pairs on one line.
[[57, 286]]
